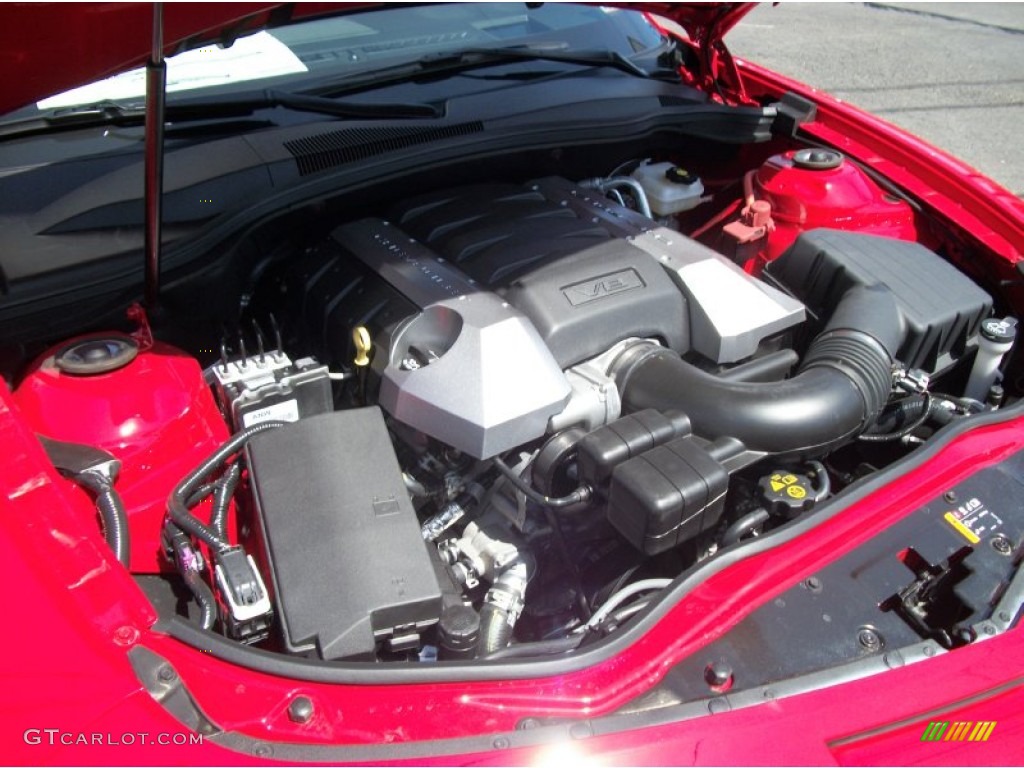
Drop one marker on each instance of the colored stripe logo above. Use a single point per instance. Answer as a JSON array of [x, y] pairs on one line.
[[966, 532], [958, 731]]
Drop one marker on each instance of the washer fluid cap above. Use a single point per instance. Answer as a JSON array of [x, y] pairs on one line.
[[95, 355], [817, 159]]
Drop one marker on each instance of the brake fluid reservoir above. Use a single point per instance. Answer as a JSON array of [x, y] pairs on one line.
[[146, 404], [669, 188]]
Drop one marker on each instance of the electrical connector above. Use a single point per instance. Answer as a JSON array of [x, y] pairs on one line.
[[244, 595]]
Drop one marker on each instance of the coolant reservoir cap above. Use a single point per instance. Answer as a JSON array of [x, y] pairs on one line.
[[817, 159], [678, 175], [786, 494], [96, 354]]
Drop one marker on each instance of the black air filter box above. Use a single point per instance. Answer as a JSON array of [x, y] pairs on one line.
[[348, 565], [941, 308]]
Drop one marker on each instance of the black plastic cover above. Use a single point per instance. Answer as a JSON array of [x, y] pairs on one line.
[[667, 496], [348, 565], [941, 308], [606, 447]]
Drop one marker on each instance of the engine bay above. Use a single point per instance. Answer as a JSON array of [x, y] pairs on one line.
[[495, 420]]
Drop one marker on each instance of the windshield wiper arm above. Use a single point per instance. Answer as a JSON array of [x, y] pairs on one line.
[[212, 108]]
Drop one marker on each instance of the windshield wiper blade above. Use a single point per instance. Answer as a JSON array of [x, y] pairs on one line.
[[212, 108], [85, 116], [486, 56], [247, 103], [463, 59]]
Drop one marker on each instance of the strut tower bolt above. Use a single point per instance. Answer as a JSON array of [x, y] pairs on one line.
[[300, 710], [126, 635], [718, 675]]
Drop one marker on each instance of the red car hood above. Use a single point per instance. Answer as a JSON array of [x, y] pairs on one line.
[[46, 48]]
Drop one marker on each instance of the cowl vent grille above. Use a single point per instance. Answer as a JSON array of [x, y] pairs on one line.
[[326, 150]]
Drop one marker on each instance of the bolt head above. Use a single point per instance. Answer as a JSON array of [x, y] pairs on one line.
[[718, 675], [1001, 545], [126, 635], [869, 639], [300, 710], [263, 750]]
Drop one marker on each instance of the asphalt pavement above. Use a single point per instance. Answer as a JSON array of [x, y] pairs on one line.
[[951, 73]]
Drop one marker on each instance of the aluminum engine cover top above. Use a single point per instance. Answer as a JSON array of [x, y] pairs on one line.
[[470, 369]]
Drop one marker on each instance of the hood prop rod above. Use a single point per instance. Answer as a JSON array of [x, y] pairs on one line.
[[156, 95]]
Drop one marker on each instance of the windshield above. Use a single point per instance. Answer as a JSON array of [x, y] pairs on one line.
[[299, 55]]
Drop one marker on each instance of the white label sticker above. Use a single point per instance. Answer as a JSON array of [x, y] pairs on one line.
[[286, 411], [250, 58]]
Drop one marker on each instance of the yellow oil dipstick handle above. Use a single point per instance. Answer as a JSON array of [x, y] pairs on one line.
[[361, 339]]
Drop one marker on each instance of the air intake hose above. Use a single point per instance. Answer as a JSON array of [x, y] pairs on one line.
[[841, 387]]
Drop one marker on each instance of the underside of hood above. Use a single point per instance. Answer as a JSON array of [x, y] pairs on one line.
[[46, 48]]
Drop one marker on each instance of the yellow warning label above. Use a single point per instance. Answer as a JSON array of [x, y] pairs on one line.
[[796, 491], [781, 481], [966, 532]]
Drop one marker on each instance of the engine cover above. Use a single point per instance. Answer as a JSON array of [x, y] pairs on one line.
[[590, 273], [504, 287], [469, 369]]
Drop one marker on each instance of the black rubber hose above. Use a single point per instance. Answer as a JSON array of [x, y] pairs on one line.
[[822, 481], [222, 495], [539, 648], [204, 597], [112, 513], [899, 414], [843, 383], [746, 525], [581, 494], [177, 506], [200, 493]]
